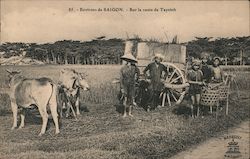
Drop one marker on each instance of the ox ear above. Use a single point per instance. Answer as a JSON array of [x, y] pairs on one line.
[[63, 71]]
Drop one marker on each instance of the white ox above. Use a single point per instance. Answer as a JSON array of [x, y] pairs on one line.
[[25, 92]]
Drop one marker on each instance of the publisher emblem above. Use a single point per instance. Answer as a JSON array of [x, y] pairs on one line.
[[233, 148]]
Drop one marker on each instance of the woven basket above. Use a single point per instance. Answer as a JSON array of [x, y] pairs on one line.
[[224, 91], [210, 97]]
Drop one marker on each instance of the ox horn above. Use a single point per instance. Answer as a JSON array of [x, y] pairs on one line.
[[62, 70]]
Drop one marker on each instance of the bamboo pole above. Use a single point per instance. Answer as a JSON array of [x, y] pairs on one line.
[[227, 101], [227, 104]]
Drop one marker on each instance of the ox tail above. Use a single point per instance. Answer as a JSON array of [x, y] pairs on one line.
[[53, 93], [53, 99]]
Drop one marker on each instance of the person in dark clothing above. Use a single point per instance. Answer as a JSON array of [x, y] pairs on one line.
[[128, 76], [207, 76], [206, 69], [155, 73]]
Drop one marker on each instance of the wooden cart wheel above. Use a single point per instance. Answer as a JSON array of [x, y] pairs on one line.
[[175, 85]]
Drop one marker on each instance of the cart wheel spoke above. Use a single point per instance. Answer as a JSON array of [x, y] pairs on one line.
[[168, 97], [173, 96], [169, 79], [174, 80], [176, 91], [163, 99]]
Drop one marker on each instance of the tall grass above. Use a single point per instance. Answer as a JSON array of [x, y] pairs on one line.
[[101, 94], [241, 80]]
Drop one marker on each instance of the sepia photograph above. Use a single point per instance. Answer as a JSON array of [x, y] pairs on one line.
[[127, 79]]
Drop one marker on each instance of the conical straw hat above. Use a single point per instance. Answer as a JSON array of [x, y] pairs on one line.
[[129, 57]]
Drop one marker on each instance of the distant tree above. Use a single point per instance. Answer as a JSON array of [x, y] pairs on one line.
[[194, 50]]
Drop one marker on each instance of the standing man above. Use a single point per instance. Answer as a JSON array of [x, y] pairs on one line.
[[155, 72], [128, 76]]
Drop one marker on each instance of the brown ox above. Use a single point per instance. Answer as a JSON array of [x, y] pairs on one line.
[[24, 93]]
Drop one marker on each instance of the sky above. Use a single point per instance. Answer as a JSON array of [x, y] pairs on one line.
[[44, 21]]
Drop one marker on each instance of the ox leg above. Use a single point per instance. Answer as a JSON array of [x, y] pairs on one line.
[[14, 111], [61, 112], [44, 114], [77, 104], [70, 106], [61, 106], [67, 104], [53, 109], [23, 113], [68, 109]]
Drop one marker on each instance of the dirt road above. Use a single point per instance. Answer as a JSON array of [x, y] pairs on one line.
[[215, 148]]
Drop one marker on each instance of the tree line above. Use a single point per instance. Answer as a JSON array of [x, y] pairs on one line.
[[235, 50], [109, 51], [69, 51]]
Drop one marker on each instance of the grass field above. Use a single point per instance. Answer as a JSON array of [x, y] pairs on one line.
[[101, 132]]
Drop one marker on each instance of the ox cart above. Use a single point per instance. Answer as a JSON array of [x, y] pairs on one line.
[[174, 60]]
